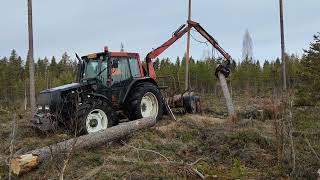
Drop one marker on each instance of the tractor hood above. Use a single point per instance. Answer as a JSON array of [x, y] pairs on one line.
[[52, 97], [62, 88]]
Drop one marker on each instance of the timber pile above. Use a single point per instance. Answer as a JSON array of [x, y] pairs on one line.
[[27, 162]]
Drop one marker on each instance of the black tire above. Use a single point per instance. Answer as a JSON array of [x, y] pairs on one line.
[[133, 103], [87, 107]]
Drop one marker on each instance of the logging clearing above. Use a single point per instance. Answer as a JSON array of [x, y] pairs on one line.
[[155, 108], [216, 147]]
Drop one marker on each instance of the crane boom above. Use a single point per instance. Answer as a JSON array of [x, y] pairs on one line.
[[176, 35], [210, 39], [182, 30]]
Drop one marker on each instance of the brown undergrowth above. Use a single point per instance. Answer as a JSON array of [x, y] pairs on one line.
[[193, 147]]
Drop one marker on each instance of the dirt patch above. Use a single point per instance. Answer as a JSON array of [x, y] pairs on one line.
[[167, 128], [206, 119], [201, 120]]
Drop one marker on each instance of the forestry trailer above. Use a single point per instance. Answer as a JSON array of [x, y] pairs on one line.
[[112, 86]]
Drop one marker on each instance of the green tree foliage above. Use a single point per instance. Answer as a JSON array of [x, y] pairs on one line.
[[309, 76], [14, 76], [255, 78]]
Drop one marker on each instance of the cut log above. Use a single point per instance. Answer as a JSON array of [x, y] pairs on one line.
[[226, 93], [24, 163], [30, 160]]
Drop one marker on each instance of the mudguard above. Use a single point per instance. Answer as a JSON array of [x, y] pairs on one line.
[[134, 83]]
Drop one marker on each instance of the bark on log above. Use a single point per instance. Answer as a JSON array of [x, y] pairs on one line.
[[21, 164], [226, 93]]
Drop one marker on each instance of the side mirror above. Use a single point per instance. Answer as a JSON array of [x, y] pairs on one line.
[[115, 63]]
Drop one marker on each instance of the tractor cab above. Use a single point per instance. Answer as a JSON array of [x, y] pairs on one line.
[[113, 72]]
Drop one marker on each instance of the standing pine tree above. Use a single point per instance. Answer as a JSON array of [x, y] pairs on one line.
[[309, 89], [3, 80], [14, 74], [247, 47]]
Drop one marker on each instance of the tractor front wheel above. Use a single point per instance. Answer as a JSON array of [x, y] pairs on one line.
[[145, 100], [93, 116]]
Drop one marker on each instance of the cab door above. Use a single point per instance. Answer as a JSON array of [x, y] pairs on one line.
[[104, 78], [120, 78]]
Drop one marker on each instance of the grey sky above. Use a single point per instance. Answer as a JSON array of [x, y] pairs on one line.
[[85, 26]]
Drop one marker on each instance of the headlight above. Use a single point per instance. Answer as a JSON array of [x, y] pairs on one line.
[[47, 107], [39, 107]]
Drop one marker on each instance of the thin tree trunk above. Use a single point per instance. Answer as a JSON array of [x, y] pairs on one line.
[[179, 85], [31, 61], [283, 49], [25, 96], [187, 86], [13, 134], [47, 79]]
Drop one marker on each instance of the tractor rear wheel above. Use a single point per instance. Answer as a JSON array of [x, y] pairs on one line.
[[93, 116], [145, 100]]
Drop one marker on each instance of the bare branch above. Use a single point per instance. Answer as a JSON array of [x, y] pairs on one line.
[[68, 158], [312, 149], [13, 134], [168, 161], [198, 173], [194, 163], [147, 150], [93, 172]]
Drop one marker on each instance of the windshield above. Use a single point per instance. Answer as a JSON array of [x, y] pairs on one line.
[[94, 66], [91, 69]]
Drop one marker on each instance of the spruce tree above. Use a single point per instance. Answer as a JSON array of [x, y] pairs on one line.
[[309, 88]]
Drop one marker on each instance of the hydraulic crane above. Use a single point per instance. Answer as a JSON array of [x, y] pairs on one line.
[[222, 70], [181, 31]]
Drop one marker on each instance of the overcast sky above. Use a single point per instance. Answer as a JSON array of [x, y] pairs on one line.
[[86, 26]]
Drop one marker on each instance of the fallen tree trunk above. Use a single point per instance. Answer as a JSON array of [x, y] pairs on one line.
[[30, 160], [227, 96]]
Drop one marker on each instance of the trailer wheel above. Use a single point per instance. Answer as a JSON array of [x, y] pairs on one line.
[[93, 116], [145, 100], [189, 104]]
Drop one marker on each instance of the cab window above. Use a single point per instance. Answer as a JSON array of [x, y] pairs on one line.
[[122, 71], [135, 68], [104, 74], [91, 68]]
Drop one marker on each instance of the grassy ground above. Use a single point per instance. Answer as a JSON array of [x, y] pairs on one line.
[[206, 144]]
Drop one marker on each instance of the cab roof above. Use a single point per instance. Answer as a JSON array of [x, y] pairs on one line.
[[113, 54]]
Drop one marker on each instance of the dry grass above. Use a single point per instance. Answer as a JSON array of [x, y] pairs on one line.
[[181, 142], [243, 151]]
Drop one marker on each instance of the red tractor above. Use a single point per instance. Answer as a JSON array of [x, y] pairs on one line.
[[113, 86]]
